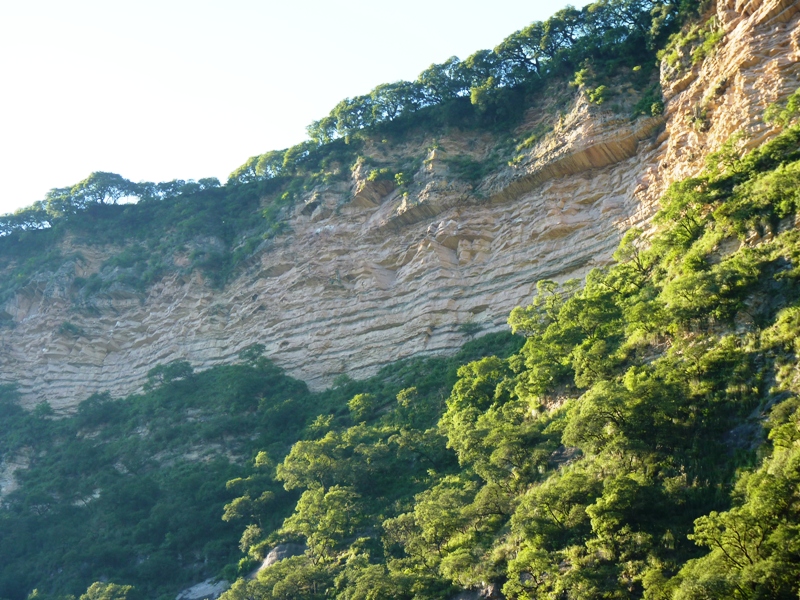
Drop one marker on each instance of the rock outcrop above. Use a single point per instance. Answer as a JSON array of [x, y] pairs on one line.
[[210, 589], [8, 467], [278, 553], [388, 272]]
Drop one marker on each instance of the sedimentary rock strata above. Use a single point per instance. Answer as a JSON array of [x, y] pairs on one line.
[[369, 274]]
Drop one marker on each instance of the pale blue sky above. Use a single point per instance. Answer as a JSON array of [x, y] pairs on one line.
[[159, 90]]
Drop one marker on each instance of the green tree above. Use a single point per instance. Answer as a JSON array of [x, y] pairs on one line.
[[102, 188], [361, 406], [324, 518], [109, 591]]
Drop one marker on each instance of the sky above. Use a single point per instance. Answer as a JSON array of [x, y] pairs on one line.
[[185, 89]]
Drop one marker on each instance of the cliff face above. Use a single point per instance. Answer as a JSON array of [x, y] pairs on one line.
[[755, 65], [382, 275]]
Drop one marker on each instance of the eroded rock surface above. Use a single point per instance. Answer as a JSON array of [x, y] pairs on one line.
[[210, 589], [383, 275]]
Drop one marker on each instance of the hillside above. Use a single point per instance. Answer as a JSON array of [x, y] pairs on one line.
[[327, 333], [392, 270]]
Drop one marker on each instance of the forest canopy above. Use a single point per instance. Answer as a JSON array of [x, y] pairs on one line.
[[602, 37]]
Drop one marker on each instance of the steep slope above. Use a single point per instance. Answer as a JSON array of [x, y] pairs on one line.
[[368, 274]]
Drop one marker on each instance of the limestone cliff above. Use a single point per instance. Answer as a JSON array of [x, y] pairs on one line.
[[370, 273]]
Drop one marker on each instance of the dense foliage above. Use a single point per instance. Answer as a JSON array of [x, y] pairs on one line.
[[215, 227], [133, 490], [619, 454]]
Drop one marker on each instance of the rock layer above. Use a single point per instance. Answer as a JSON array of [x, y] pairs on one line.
[[386, 276]]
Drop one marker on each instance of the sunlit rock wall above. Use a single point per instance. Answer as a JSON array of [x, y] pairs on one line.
[[368, 275]]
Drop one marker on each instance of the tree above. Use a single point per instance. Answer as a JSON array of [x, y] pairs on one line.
[[361, 406], [521, 54], [443, 82], [246, 173], [560, 32], [754, 546], [102, 188], [59, 203], [271, 164], [324, 518], [109, 591], [33, 217], [314, 463], [163, 374], [391, 100]]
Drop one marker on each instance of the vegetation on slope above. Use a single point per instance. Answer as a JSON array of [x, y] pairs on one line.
[[643, 443], [133, 490], [219, 227], [619, 454]]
